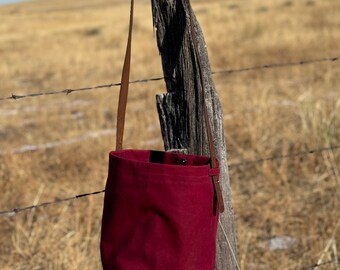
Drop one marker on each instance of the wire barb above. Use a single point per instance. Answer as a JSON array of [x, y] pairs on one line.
[[225, 71]]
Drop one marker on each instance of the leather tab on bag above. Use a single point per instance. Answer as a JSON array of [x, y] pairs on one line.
[[218, 193], [214, 172]]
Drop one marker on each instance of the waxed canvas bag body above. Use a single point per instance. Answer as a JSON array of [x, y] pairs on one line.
[[161, 209], [158, 212]]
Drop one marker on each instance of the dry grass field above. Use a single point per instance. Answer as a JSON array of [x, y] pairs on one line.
[[58, 44]]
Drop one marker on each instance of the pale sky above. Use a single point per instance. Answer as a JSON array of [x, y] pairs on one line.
[[9, 1]]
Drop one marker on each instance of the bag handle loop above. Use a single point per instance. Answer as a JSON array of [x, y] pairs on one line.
[[123, 93]]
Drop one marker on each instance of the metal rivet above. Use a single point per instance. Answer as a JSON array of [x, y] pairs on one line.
[[183, 161]]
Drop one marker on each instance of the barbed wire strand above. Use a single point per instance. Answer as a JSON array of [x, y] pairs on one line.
[[226, 71], [315, 265], [15, 211], [69, 91], [279, 157], [279, 65]]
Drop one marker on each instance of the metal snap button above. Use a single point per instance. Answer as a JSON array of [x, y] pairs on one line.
[[183, 161]]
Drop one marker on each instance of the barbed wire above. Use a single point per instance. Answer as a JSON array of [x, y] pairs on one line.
[[225, 71], [279, 65], [315, 265], [69, 91], [17, 210], [279, 157]]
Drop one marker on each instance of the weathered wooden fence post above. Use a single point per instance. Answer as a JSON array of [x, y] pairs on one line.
[[181, 111]]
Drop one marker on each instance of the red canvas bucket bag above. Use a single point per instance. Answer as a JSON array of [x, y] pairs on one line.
[[161, 209]]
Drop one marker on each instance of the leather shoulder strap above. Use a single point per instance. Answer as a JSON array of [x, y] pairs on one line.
[[124, 87], [210, 136]]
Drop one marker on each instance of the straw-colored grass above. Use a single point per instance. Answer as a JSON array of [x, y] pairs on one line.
[[53, 45]]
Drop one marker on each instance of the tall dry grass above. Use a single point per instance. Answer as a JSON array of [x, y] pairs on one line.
[[51, 45]]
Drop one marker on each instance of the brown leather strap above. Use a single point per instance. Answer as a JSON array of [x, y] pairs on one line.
[[124, 87], [213, 164]]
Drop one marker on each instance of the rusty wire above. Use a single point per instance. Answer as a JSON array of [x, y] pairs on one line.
[[225, 71], [315, 265], [15, 211], [279, 157]]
